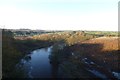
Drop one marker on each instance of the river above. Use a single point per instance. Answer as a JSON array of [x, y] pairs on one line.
[[37, 64]]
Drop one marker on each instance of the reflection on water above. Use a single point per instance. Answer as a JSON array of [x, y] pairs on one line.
[[55, 62], [37, 64]]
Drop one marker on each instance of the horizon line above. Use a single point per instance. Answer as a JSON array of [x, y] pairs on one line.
[[56, 29]]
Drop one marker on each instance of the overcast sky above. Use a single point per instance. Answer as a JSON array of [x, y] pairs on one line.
[[60, 14]]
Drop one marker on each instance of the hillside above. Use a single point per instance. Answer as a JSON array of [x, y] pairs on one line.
[[102, 50], [77, 53]]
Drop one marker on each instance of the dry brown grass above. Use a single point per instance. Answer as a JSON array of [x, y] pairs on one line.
[[103, 50], [108, 43]]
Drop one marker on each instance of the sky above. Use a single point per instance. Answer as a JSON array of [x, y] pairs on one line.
[[101, 15]]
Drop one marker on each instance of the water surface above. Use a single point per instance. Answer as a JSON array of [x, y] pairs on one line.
[[37, 64]]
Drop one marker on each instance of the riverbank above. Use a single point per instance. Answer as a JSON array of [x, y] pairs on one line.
[[98, 56], [13, 50], [99, 53], [78, 54]]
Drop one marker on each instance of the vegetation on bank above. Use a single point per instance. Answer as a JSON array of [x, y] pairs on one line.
[[25, 46], [101, 54], [13, 50], [68, 49], [10, 55], [74, 37], [106, 51], [69, 38]]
